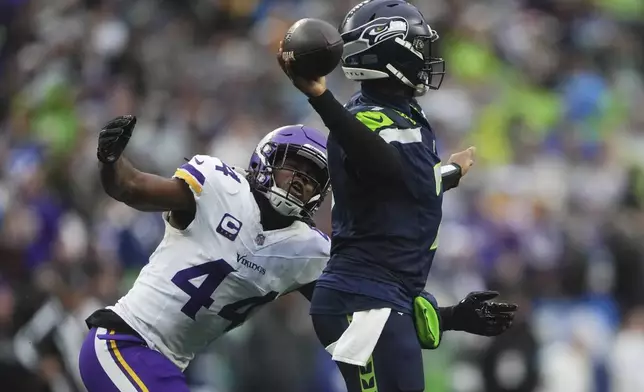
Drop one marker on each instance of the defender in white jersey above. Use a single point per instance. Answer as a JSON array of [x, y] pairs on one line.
[[232, 243]]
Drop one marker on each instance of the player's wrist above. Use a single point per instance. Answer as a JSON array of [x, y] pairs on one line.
[[452, 167], [315, 92], [106, 159], [447, 318], [451, 175], [324, 103]]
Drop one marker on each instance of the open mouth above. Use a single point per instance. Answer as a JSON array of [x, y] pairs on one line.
[[297, 189]]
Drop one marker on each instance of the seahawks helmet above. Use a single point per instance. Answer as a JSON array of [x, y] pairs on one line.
[[271, 154], [390, 39]]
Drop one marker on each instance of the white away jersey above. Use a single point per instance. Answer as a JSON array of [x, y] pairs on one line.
[[208, 278]]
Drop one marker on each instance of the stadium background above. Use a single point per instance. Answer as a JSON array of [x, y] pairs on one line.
[[551, 93]]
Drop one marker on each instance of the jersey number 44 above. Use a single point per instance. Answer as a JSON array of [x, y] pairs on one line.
[[215, 271]]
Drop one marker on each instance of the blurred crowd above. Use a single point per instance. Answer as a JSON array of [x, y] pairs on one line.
[[551, 92]]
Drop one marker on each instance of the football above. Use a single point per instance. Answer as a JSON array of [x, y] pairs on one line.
[[313, 46]]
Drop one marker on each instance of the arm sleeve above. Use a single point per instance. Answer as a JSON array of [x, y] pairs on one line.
[[447, 319], [451, 175], [369, 154]]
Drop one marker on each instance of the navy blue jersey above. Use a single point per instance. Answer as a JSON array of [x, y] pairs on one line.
[[384, 239]]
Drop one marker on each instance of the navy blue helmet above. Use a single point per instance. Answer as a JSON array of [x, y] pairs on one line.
[[390, 39]]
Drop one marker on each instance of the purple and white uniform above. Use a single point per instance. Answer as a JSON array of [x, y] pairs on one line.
[[200, 283]]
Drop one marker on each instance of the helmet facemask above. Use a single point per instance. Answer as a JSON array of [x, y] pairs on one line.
[[430, 76], [286, 199]]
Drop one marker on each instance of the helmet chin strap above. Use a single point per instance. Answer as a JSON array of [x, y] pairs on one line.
[[419, 89], [270, 218], [283, 203]]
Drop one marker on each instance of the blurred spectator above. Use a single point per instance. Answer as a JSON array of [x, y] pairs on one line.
[[510, 363], [627, 353], [49, 343]]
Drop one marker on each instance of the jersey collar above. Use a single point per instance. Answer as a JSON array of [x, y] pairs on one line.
[[402, 104], [407, 106]]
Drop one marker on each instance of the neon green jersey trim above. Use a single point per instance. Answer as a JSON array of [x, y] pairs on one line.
[[374, 120]]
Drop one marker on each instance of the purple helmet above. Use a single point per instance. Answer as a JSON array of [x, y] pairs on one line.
[[270, 155]]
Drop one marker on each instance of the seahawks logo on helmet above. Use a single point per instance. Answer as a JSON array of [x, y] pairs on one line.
[[373, 33], [384, 28]]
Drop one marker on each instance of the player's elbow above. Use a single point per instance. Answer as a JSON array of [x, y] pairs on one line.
[[122, 195]]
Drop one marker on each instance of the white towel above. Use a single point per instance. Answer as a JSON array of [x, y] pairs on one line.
[[356, 344]]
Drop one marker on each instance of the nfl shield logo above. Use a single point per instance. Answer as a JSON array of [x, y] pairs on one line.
[[259, 240]]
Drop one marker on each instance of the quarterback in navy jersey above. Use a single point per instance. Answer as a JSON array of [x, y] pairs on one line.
[[388, 184]]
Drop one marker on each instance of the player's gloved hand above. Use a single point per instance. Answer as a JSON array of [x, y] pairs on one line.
[[114, 137], [310, 87], [474, 314]]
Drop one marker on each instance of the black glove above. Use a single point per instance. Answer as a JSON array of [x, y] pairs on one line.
[[476, 316], [114, 137]]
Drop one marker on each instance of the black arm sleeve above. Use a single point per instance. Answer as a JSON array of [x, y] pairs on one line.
[[447, 320], [451, 175], [369, 154]]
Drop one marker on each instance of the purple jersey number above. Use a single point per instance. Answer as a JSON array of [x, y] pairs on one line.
[[238, 312], [200, 297], [228, 171], [215, 272]]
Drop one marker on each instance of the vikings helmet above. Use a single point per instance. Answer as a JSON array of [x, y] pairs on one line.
[[390, 39], [271, 154]]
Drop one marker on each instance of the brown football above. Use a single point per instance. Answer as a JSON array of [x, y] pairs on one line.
[[313, 46]]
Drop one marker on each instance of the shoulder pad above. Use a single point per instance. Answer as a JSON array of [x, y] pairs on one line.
[[377, 118], [321, 239], [204, 172], [312, 240], [316, 247], [194, 173]]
